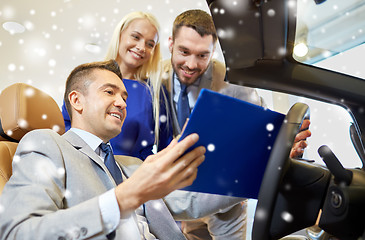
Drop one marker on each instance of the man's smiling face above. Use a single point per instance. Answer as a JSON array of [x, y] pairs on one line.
[[190, 54], [104, 105]]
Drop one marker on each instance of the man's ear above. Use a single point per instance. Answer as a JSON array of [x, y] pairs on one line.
[[76, 100], [171, 44]]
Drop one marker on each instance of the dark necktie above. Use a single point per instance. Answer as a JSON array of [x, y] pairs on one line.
[[183, 109], [110, 163]]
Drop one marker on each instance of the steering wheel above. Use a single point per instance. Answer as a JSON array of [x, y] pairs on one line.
[[275, 169]]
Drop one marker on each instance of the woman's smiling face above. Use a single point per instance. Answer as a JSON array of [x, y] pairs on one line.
[[137, 42]]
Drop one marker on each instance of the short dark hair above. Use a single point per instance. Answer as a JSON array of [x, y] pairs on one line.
[[81, 77], [196, 19]]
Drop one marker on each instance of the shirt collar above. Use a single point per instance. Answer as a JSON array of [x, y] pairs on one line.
[[177, 82], [177, 88], [91, 140]]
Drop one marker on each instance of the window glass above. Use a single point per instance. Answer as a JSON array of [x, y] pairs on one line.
[[330, 125], [331, 35]]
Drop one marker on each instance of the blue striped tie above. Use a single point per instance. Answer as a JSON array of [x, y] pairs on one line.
[[183, 109], [110, 163]]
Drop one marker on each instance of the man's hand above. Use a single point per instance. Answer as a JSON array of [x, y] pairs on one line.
[[162, 173], [300, 142]]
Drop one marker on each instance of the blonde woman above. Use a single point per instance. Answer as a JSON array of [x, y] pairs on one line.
[[135, 46]]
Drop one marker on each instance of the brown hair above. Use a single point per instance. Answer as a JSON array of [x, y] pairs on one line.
[[196, 19], [81, 77]]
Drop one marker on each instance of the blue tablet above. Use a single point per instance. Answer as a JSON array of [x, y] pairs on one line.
[[238, 137]]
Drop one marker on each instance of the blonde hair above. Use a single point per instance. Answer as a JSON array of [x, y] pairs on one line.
[[150, 70]]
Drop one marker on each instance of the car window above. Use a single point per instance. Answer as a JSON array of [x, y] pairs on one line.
[[330, 126], [329, 35]]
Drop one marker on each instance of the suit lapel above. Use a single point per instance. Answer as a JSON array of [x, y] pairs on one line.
[[168, 82], [83, 147], [207, 78]]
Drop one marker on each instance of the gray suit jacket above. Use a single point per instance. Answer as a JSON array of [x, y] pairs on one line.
[[54, 190]]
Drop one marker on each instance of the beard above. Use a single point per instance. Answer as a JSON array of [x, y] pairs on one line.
[[178, 68]]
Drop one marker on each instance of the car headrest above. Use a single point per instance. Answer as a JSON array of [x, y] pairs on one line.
[[24, 108]]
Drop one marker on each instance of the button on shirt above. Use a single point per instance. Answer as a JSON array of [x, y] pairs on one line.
[[132, 226]]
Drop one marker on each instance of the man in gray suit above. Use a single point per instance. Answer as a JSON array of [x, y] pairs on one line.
[[192, 67], [63, 187]]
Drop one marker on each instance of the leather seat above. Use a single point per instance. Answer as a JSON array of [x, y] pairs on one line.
[[23, 108]]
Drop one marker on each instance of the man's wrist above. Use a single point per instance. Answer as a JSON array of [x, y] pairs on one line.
[[126, 199], [109, 211]]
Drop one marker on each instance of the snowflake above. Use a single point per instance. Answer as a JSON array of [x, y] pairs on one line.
[[291, 3], [56, 128], [287, 187], [67, 193], [16, 159], [260, 214], [211, 147], [29, 25], [61, 172], [271, 12], [270, 127], [52, 63], [287, 216], [163, 118], [22, 123], [144, 143], [157, 205], [11, 67]]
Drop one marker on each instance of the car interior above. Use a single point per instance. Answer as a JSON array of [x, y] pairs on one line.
[[294, 194], [297, 196], [23, 108]]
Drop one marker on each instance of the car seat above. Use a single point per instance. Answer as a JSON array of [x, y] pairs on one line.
[[23, 108]]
